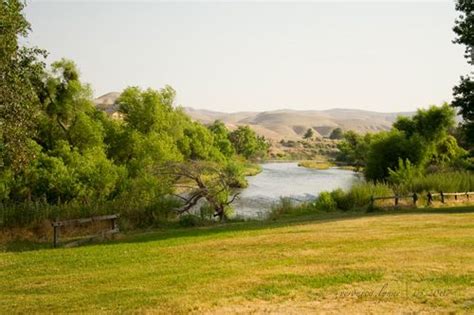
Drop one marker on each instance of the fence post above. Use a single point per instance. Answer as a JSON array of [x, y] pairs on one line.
[[455, 197], [396, 200], [442, 197], [415, 199], [372, 201], [55, 235], [430, 198]]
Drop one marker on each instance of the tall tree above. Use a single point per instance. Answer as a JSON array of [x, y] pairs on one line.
[[422, 140], [464, 91], [20, 68], [247, 143]]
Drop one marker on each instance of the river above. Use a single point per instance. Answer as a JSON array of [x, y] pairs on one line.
[[287, 180]]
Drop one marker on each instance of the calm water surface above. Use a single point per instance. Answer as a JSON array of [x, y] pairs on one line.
[[288, 180]]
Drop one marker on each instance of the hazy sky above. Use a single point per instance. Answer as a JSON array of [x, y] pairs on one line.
[[234, 56]]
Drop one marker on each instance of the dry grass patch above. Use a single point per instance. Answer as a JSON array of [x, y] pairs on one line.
[[380, 263]]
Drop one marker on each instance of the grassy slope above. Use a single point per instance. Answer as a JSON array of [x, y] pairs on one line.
[[416, 261]]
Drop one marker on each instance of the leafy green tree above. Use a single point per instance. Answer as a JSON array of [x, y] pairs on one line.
[[464, 27], [353, 149], [434, 123], [434, 126], [464, 101], [198, 143], [405, 124], [85, 132], [423, 140], [143, 110], [387, 148], [464, 91], [20, 69], [447, 151], [68, 111], [221, 138], [336, 134], [247, 143], [309, 134]]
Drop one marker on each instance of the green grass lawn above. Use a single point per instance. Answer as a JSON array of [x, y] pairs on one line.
[[420, 260]]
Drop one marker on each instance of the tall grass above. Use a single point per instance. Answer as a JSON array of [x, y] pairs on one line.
[[360, 194], [445, 182], [132, 214], [287, 207], [31, 213]]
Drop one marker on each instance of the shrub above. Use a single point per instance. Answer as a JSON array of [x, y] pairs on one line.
[[280, 208], [405, 172], [325, 202], [206, 212], [341, 199], [287, 207], [189, 220], [361, 193]]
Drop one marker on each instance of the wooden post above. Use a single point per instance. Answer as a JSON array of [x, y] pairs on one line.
[[430, 198], [114, 226], [55, 235], [415, 199], [442, 197], [396, 200], [372, 201], [455, 197]]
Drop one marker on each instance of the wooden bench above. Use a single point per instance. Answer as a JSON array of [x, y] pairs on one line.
[[58, 224]]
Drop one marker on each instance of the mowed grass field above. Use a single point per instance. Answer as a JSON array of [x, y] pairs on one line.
[[407, 261]]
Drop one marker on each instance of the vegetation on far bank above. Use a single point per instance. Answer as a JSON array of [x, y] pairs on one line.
[[317, 165], [252, 169]]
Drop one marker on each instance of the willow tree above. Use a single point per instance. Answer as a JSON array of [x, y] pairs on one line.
[[201, 180]]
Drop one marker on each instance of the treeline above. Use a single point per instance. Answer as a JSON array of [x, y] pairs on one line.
[[424, 143], [62, 157], [420, 154]]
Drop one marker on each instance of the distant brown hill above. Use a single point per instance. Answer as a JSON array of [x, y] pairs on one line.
[[285, 124]]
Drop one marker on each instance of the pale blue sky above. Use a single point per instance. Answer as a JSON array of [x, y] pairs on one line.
[[259, 56]]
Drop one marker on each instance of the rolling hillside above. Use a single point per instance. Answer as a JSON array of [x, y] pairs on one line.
[[285, 124]]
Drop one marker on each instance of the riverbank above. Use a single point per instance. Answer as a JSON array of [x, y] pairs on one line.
[[286, 179], [252, 169], [346, 262]]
